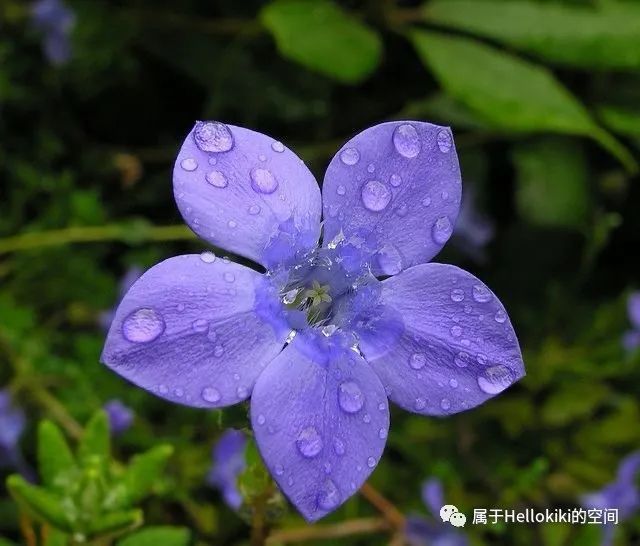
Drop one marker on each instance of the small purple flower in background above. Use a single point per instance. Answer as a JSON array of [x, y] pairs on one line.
[[631, 338], [131, 276], [363, 318], [55, 21], [622, 494], [474, 230], [427, 532], [12, 425], [228, 463], [120, 417]]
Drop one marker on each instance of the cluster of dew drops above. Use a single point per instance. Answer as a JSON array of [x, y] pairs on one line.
[[376, 195]]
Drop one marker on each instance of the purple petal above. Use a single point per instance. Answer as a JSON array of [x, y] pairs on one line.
[[421, 532], [629, 468], [321, 417], [120, 416], [196, 330], [474, 230], [633, 307], [55, 20], [440, 340], [228, 462], [433, 496], [12, 422], [399, 183], [245, 192]]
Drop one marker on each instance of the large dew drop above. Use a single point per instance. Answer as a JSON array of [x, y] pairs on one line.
[[213, 136], [350, 397], [143, 325], [406, 140], [349, 156], [309, 442], [417, 361], [375, 196], [444, 141], [441, 230], [263, 181], [217, 179], [495, 379], [481, 293], [211, 395]]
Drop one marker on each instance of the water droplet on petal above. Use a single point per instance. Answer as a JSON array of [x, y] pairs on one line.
[[500, 316], [218, 351], [309, 442], [375, 196], [217, 179], [382, 406], [481, 293], [241, 392], [445, 404], [371, 462], [229, 277], [211, 395], [262, 157], [189, 164], [338, 447], [461, 359], [263, 181], [232, 224], [426, 202], [441, 230], [366, 418], [143, 325], [417, 361], [350, 397], [254, 209], [329, 496], [444, 141], [341, 190], [350, 156], [200, 325], [402, 210], [389, 260], [208, 258], [420, 404], [279, 470], [481, 359], [495, 379], [213, 136], [453, 383], [456, 331], [395, 180], [371, 168], [382, 433], [261, 419], [406, 140], [457, 295], [277, 146]]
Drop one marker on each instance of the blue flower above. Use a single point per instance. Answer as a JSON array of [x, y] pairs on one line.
[[420, 531], [228, 463], [474, 230], [55, 21], [120, 416], [622, 494], [631, 338], [12, 425], [335, 319]]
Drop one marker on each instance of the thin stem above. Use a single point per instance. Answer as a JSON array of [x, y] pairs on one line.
[[383, 505], [27, 530], [363, 526], [259, 530], [90, 234]]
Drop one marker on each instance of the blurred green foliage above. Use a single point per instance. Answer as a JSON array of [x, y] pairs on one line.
[[542, 96]]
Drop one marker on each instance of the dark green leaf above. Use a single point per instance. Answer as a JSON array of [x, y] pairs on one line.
[[158, 536], [144, 471], [321, 36], [55, 460], [508, 92], [573, 401], [580, 35], [623, 120], [552, 182], [54, 537], [39, 503], [114, 524]]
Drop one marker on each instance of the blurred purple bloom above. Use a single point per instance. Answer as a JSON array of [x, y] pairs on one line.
[[474, 230], [55, 21], [12, 425], [228, 463], [120, 416], [131, 276], [621, 494], [427, 532], [631, 338], [206, 332]]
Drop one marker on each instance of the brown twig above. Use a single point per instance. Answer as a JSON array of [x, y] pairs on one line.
[[26, 528], [363, 526], [383, 505]]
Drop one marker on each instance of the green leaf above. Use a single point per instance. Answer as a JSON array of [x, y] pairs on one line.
[[552, 182], [158, 536], [55, 460], [39, 503], [5, 542], [508, 92], [254, 481], [623, 120], [144, 471], [321, 36], [95, 442], [573, 401], [591, 37], [54, 537], [114, 524]]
